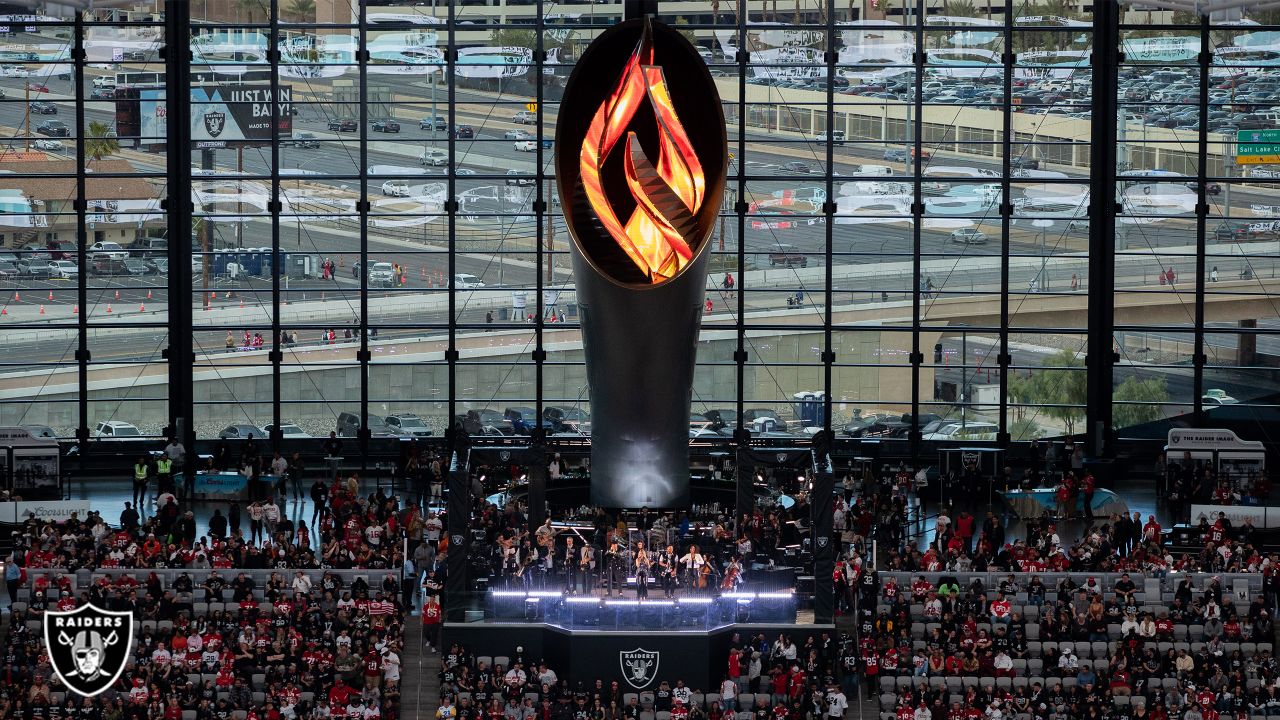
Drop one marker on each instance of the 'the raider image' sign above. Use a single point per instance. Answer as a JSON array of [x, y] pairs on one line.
[[88, 647]]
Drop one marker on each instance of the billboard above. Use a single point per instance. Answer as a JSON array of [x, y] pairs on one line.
[[238, 115], [153, 113]]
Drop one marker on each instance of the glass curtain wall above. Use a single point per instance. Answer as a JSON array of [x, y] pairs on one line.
[[376, 234]]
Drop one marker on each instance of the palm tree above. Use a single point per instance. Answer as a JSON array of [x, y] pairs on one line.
[[302, 10], [98, 142]]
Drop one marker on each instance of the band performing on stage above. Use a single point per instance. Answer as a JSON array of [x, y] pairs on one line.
[[629, 562]]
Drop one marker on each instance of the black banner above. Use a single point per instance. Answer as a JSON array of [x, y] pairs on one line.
[[744, 470], [820, 509], [459, 520]]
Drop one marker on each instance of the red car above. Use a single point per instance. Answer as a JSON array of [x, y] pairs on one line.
[[37, 87]]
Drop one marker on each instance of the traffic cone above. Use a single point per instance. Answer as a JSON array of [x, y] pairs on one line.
[[142, 307], [422, 272], [42, 309], [4, 311], [148, 294], [117, 294], [50, 296], [17, 297], [108, 307], [241, 303], [75, 309]]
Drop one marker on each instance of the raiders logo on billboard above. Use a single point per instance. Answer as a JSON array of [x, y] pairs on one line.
[[639, 666], [214, 122], [88, 647]]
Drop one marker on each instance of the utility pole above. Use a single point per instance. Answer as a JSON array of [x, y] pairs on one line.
[[551, 235]]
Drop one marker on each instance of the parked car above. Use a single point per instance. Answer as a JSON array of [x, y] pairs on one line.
[[133, 266], [962, 430], [968, 236], [1024, 163], [108, 249], [386, 126], [349, 426], [525, 117], [159, 266], [344, 125], [49, 145], [797, 166], [434, 157], [37, 87], [35, 267], [787, 255], [8, 270], [382, 274], [287, 430], [838, 137], [116, 429], [41, 107], [242, 432], [53, 128], [408, 425], [1216, 396], [60, 249], [764, 419], [149, 246], [64, 269]]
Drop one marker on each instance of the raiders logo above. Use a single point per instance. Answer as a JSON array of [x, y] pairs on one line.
[[456, 540], [639, 666], [782, 457], [88, 647], [505, 455], [822, 541], [214, 122]]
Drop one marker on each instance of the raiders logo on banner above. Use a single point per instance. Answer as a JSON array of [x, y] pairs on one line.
[[639, 666], [214, 122], [456, 539], [822, 541], [505, 455], [88, 647]]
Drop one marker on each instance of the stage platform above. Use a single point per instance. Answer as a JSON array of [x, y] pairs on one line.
[[637, 658], [689, 612]]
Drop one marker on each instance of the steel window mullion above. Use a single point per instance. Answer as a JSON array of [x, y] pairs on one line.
[[1006, 216], [1202, 213], [364, 208], [82, 242], [451, 210], [740, 356], [539, 213], [917, 217], [277, 264], [828, 211]]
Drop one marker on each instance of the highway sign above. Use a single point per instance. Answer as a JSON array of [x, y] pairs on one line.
[[531, 107], [1257, 147]]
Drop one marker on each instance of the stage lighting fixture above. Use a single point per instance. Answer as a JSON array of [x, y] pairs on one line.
[[583, 600], [622, 603], [544, 593], [694, 601], [508, 593]]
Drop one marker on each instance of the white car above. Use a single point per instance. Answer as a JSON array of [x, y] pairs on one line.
[[517, 134], [434, 158], [287, 430], [525, 117], [116, 429], [64, 269], [48, 144], [395, 188], [526, 145], [382, 273], [463, 281], [17, 71], [108, 250], [961, 430]]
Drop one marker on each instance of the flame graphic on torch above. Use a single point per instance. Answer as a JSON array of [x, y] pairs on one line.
[[667, 193]]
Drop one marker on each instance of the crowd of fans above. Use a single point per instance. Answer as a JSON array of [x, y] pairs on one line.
[[763, 679]]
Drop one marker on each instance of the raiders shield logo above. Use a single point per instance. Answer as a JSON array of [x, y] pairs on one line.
[[456, 539], [88, 647], [639, 667], [505, 455], [822, 541], [782, 457], [214, 122]]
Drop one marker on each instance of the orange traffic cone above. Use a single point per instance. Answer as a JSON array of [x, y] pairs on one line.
[[142, 307], [41, 309], [148, 294], [108, 307], [50, 296], [75, 309], [17, 297], [213, 295], [4, 311], [117, 294], [241, 303]]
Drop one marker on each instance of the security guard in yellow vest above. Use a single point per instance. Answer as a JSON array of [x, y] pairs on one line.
[[164, 473], [141, 470]]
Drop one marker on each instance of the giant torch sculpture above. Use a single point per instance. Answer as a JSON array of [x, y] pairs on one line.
[[641, 161]]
